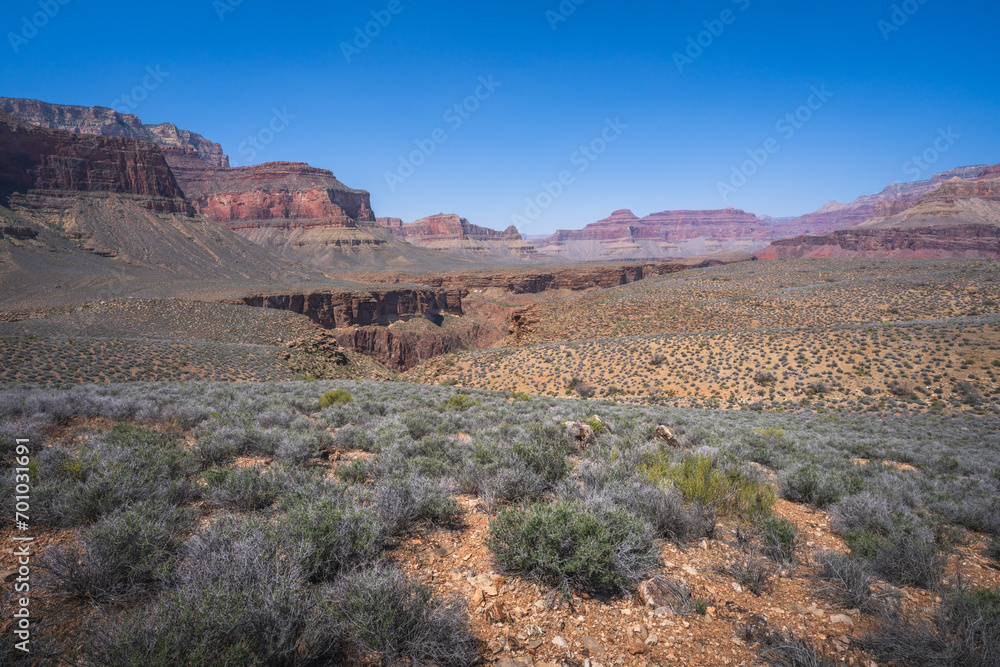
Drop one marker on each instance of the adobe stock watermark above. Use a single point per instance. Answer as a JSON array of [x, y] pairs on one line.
[[455, 116], [33, 23], [918, 165], [787, 126], [697, 44], [223, 7], [127, 102], [255, 143], [21, 621], [363, 35], [582, 159], [562, 13], [899, 17]]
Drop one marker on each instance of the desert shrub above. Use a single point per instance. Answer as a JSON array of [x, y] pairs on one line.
[[782, 649], [124, 555], [243, 489], [355, 472], [387, 619], [332, 532], [104, 478], [355, 438], [810, 484], [296, 447], [751, 572], [232, 434], [662, 509], [765, 378], [522, 467], [779, 538], [731, 487], [512, 482], [968, 393], [335, 397], [847, 581], [403, 500], [238, 602], [571, 544], [993, 549], [897, 545], [964, 630], [908, 555]]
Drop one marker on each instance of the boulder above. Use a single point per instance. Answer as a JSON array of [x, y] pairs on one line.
[[666, 434], [581, 432]]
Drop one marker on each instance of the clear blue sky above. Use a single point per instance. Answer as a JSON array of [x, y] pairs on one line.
[[686, 130]]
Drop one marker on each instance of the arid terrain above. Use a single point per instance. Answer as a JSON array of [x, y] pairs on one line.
[[263, 426], [857, 334]]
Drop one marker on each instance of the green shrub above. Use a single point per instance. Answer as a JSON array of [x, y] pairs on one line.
[[571, 544], [335, 397], [730, 487], [460, 402]]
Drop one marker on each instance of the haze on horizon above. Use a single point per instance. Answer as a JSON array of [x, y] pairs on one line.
[[500, 100]]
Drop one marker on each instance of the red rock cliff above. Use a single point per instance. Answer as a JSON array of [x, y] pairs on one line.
[[38, 159]]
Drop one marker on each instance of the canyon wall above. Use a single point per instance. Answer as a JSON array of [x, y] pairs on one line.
[[107, 122]]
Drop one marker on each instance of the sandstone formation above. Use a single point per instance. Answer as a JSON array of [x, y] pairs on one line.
[[113, 197], [107, 122], [459, 237], [625, 236], [340, 309]]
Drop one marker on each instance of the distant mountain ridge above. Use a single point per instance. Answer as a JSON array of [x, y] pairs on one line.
[[106, 122], [958, 219], [668, 234], [454, 234]]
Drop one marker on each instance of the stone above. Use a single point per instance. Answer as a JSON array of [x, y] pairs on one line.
[[652, 640], [560, 642], [580, 432], [593, 646], [638, 648], [656, 592], [481, 581], [842, 618], [666, 435], [510, 662]]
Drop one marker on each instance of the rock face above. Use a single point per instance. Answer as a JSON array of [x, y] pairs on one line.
[[453, 234], [114, 197], [835, 216], [37, 159], [106, 122], [625, 236], [334, 310], [960, 219]]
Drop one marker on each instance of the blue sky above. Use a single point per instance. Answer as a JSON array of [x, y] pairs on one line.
[[564, 71]]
